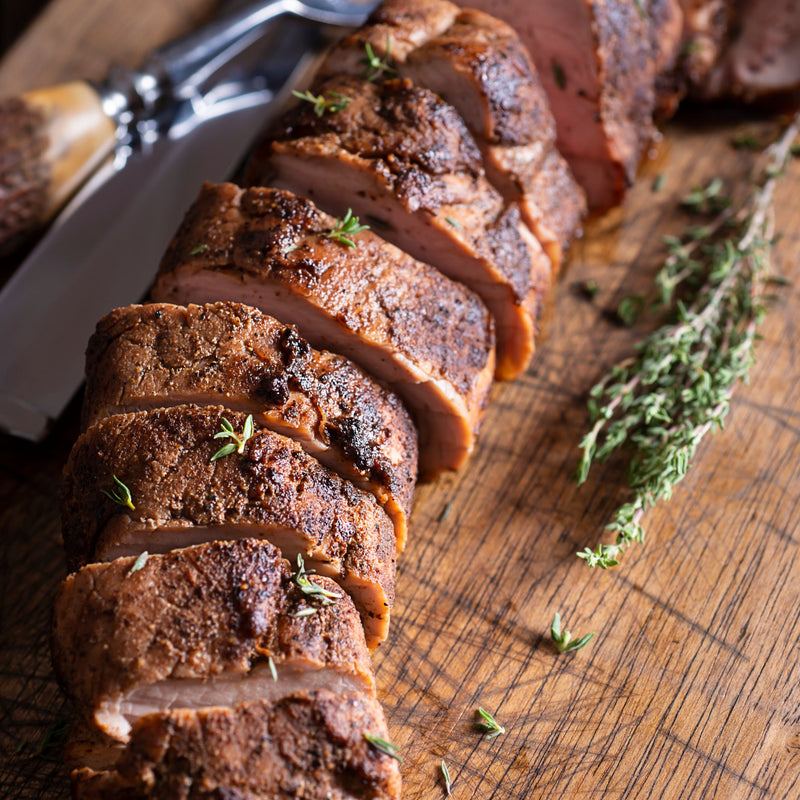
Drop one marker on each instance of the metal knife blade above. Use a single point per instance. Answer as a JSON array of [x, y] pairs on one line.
[[104, 251]]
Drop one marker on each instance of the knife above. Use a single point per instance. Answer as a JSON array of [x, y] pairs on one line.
[[104, 249], [52, 139]]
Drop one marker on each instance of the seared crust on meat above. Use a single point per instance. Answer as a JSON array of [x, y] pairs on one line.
[[272, 490], [597, 65], [216, 610], [234, 355], [430, 339], [309, 745], [479, 65], [403, 157]]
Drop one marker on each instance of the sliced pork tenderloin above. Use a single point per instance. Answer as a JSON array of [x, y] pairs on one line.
[[597, 66], [273, 490], [404, 161], [199, 627], [479, 65], [706, 29], [761, 58], [665, 18], [309, 745], [428, 338], [156, 355]]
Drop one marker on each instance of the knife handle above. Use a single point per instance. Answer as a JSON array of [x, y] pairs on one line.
[[51, 140]]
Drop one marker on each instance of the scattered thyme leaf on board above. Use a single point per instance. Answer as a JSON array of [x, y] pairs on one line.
[[661, 402]]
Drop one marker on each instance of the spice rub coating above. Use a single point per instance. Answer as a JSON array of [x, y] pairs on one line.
[[147, 356], [428, 338], [479, 65], [271, 490], [597, 64], [194, 619], [398, 154], [310, 746]]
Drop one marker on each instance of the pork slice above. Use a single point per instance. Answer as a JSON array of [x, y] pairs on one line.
[[403, 159], [406, 24], [762, 57], [666, 21], [428, 338], [479, 65], [161, 354], [198, 627], [181, 497], [597, 67], [706, 29], [309, 745]]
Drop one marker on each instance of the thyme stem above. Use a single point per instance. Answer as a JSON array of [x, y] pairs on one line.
[[678, 386]]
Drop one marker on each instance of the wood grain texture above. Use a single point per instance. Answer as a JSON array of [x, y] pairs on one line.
[[690, 689]]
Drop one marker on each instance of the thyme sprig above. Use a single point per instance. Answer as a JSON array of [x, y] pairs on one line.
[[238, 443], [489, 724], [678, 386], [563, 639], [374, 67], [332, 103], [384, 746], [311, 589], [346, 227], [121, 494]]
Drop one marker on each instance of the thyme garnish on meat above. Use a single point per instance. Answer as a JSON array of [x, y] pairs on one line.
[[385, 747], [346, 227], [272, 670], [489, 724], [446, 776], [121, 494], [237, 446], [563, 640], [558, 74], [374, 67], [662, 401], [141, 560], [332, 103], [311, 589]]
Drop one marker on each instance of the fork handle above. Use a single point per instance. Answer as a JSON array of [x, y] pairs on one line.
[[182, 65]]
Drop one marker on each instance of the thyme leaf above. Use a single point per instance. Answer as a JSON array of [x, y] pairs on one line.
[[311, 589], [558, 74], [374, 67], [678, 385], [237, 446], [141, 560], [200, 248], [489, 724], [563, 640], [384, 746], [308, 611], [121, 494], [272, 670], [446, 776], [333, 103], [346, 227]]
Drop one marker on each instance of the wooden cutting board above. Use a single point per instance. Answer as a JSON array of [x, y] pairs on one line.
[[690, 689]]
